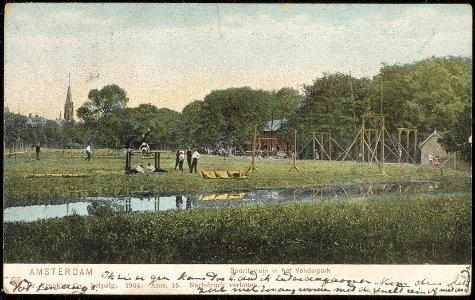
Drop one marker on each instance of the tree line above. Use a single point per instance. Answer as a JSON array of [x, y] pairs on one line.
[[431, 94]]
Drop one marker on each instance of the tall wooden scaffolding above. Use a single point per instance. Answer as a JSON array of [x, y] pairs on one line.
[[406, 152], [321, 143], [325, 144], [371, 138]]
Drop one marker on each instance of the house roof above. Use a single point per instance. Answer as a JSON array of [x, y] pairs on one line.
[[273, 125], [435, 133]]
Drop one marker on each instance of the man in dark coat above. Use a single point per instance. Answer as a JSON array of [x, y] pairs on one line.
[[189, 153], [38, 149]]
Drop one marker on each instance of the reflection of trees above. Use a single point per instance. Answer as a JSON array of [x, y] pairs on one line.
[[156, 202], [179, 201], [189, 201], [104, 208]]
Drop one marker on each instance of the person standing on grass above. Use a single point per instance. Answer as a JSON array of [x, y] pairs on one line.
[[181, 159], [194, 160], [88, 152], [177, 158], [38, 149], [188, 157]]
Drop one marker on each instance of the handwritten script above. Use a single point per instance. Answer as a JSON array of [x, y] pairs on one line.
[[241, 279]]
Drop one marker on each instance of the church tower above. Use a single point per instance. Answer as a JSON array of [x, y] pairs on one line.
[[69, 106]]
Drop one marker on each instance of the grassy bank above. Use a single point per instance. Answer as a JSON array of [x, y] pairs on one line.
[[396, 230], [106, 176]]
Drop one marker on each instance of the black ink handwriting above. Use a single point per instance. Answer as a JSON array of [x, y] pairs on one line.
[[62, 286], [211, 290], [251, 277], [157, 278], [424, 282], [20, 286], [386, 281]]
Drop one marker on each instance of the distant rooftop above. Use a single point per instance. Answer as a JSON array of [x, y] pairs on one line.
[[274, 125]]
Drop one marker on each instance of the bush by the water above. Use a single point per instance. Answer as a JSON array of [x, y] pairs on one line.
[[432, 229]]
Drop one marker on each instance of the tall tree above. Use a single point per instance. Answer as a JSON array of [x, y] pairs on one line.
[[333, 104], [100, 103], [194, 130], [230, 115], [98, 108], [456, 138], [429, 94], [285, 103]]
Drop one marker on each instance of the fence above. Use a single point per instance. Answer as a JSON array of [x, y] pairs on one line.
[[48, 153], [51, 153]]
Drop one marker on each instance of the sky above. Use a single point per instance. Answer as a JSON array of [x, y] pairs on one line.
[[170, 55]]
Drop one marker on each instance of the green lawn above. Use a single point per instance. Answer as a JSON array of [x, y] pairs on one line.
[[106, 176], [392, 229]]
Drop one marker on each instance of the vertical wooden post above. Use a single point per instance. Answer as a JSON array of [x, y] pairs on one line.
[[253, 167], [313, 146], [127, 161], [321, 146], [362, 139], [455, 160], [157, 160], [399, 154], [370, 156], [294, 166], [415, 146], [407, 145], [383, 128]]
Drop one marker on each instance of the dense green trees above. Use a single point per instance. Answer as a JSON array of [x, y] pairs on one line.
[[227, 118], [434, 93], [427, 95], [333, 104], [25, 132]]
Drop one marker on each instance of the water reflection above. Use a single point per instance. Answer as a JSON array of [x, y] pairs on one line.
[[179, 201], [102, 206]]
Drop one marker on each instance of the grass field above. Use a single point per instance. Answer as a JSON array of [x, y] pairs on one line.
[[106, 176], [392, 229]]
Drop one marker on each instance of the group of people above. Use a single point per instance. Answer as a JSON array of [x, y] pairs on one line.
[[192, 157], [141, 169]]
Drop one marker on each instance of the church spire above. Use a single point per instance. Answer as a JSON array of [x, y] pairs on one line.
[[68, 95], [68, 105]]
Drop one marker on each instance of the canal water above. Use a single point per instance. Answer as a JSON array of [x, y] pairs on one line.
[[101, 206]]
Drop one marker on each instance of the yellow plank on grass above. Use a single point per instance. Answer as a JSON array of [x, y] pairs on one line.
[[54, 175], [207, 174], [221, 174]]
